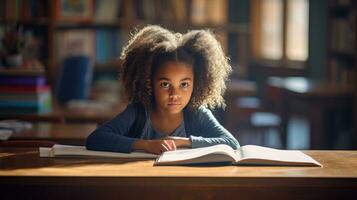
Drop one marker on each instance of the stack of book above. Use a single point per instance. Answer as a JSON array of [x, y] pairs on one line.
[[24, 92]]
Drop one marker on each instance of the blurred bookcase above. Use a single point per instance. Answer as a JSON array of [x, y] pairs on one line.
[[342, 45], [342, 35], [100, 28]]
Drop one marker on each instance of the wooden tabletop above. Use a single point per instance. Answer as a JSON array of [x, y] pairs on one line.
[[58, 132], [26, 162], [98, 178]]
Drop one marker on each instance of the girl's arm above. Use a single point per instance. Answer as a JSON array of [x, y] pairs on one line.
[[155, 146], [112, 136], [207, 131]]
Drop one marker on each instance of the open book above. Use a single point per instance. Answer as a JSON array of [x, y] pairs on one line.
[[69, 150], [245, 155]]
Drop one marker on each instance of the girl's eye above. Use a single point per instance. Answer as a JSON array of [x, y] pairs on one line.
[[165, 84], [184, 85]]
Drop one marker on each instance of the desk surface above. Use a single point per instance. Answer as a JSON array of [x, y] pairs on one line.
[[26, 162], [98, 178], [57, 132]]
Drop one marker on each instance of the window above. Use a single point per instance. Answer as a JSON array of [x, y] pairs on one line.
[[280, 31]]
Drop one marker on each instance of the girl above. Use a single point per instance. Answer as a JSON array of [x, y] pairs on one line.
[[169, 80]]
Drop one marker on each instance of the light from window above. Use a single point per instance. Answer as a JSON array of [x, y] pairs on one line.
[[297, 30], [272, 29]]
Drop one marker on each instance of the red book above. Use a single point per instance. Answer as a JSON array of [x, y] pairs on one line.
[[24, 89]]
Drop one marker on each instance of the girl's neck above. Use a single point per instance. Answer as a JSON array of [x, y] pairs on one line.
[[158, 114], [165, 122]]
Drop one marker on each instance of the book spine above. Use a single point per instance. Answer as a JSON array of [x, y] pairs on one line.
[[23, 89], [31, 110], [24, 97], [34, 81]]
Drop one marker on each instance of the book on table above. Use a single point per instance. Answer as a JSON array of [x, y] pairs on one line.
[[245, 155], [68, 150]]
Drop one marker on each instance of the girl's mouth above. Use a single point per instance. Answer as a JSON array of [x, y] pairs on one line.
[[173, 104]]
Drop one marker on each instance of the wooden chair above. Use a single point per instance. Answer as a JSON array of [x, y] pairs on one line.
[[248, 115]]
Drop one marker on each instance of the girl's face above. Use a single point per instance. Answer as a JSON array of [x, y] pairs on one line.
[[173, 86]]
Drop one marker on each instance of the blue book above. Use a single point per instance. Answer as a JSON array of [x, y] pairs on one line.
[[43, 100], [78, 70], [43, 104]]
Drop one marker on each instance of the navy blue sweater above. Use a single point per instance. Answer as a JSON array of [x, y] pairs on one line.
[[201, 127]]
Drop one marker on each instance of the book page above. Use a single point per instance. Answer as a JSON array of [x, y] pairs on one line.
[[216, 153], [252, 154]]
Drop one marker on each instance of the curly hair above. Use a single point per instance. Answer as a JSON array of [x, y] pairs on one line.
[[152, 46]]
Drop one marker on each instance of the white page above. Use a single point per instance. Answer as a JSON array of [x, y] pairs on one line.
[[265, 153], [188, 154]]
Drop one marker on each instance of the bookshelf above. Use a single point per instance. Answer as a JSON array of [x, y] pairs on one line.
[[342, 45], [101, 28], [341, 35]]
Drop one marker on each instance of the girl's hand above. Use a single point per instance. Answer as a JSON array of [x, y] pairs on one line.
[[160, 146], [155, 146], [180, 141]]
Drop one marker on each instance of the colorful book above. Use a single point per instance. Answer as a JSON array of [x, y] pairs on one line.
[[33, 104], [23, 80], [11, 96], [44, 101], [25, 111], [23, 89]]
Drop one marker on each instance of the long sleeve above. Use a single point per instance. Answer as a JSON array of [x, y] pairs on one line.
[[207, 131], [112, 136]]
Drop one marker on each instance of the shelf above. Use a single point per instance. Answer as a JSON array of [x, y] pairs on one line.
[[32, 22], [70, 25], [24, 72], [343, 55], [105, 67], [128, 24]]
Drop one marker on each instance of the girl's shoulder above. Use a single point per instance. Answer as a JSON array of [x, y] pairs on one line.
[[198, 114], [134, 109]]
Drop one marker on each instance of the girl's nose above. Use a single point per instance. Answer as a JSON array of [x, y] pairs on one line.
[[174, 94], [175, 97]]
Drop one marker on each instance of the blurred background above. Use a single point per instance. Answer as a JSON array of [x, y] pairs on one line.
[[293, 84]]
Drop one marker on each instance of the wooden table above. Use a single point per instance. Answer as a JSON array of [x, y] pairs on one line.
[[24, 174], [61, 133], [317, 98]]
